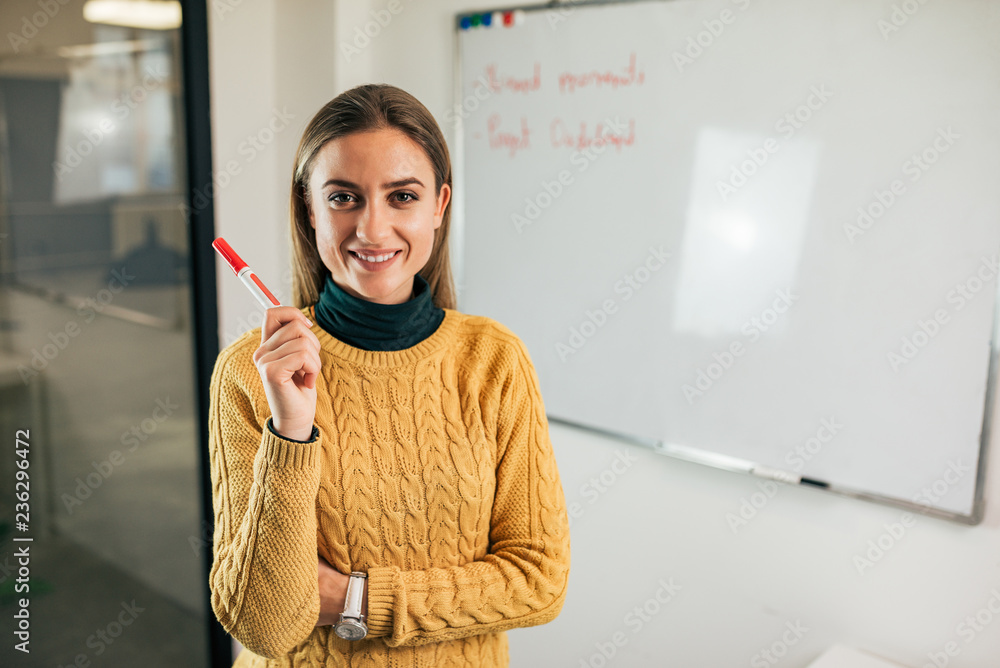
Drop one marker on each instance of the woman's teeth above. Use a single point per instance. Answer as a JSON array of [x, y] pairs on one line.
[[376, 258]]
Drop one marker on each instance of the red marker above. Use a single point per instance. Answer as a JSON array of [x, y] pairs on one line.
[[245, 274]]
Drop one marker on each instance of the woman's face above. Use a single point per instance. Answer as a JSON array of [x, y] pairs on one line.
[[371, 194]]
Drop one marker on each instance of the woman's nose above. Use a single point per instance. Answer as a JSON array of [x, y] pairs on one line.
[[373, 224]]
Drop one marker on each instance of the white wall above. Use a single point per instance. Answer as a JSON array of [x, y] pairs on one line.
[[270, 73], [736, 593]]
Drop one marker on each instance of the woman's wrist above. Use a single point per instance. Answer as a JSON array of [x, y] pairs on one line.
[[298, 434]]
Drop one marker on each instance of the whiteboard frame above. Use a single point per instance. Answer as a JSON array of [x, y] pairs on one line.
[[687, 453]]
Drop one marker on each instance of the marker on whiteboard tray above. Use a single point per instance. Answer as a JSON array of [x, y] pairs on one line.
[[476, 20], [785, 476], [245, 274]]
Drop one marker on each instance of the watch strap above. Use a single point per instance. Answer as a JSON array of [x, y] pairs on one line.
[[355, 595]]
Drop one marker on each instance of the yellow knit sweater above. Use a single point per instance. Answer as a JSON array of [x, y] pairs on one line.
[[433, 472]]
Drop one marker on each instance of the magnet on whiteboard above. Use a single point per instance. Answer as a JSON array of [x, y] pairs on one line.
[[498, 19], [465, 22], [518, 17]]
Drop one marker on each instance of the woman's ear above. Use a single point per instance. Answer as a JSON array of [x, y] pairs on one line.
[[444, 195]]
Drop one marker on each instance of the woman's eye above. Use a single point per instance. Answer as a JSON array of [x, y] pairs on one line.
[[335, 197], [411, 196]]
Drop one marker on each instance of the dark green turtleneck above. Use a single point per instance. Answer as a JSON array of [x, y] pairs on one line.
[[370, 326]]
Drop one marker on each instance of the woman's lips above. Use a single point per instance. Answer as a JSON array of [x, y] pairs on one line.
[[374, 266]]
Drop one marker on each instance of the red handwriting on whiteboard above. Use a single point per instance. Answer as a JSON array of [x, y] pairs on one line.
[[508, 140], [615, 133], [497, 83], [569, 81]]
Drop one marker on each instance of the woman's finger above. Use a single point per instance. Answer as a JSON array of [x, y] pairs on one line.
[[288, 332], [288, 359], [278, 316]]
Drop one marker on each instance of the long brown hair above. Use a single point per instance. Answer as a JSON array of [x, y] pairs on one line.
[[361, 109]]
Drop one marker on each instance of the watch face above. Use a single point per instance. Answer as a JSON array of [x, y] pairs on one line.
[[350, 630]]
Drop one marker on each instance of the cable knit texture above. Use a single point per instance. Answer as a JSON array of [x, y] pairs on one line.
[[433, 472]]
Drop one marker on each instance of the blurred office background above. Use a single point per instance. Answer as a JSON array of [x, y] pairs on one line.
[[96, 343], [128, 373]]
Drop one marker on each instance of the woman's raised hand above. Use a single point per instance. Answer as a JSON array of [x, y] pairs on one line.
[[288, 363]]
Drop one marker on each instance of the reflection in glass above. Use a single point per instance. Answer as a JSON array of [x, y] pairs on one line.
[[96, 347], [116, 116]]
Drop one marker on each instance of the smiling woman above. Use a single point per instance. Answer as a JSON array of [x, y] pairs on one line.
[[385, 490], [372, 142], [375, 235]]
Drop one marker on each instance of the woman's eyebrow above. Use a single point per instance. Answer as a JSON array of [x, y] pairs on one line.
[[385, 186]]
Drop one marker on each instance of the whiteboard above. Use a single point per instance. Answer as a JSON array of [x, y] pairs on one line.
[[749, 233]]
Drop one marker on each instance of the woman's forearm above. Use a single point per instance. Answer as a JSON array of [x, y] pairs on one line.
[[263, 578]]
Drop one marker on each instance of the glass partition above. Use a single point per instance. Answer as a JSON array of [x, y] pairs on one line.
[[102, 541]]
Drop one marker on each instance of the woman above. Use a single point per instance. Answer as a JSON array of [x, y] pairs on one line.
[[373, 429]]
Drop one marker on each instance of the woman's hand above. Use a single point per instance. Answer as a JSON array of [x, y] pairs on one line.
[[333, 594], [288, 363]]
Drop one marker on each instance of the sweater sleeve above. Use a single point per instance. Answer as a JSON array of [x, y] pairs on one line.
[[522, 581], [264, 579]]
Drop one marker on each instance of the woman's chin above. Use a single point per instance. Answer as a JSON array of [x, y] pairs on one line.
[[379, 292]]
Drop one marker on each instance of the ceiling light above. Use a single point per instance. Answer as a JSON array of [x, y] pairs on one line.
[[147, 14]]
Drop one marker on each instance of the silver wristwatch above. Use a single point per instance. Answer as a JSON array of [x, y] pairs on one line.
[[352, 623]]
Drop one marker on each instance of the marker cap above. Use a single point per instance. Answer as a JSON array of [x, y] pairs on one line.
[[229, 255]]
